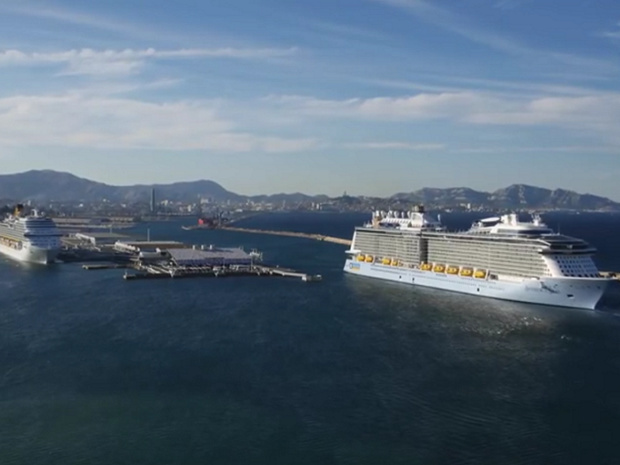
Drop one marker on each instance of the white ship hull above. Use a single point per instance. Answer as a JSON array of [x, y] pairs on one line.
[[560, 291], [31, 254]]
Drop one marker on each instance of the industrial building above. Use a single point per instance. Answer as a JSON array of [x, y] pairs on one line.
[[146, 246], [100, 238]]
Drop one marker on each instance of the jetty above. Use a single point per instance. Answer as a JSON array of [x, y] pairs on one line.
[[169, 272], [316, 237]]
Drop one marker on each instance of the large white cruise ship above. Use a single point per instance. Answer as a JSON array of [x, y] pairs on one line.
[[33, 238], [499, 257]]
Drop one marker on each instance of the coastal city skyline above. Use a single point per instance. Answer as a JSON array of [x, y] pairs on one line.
[[371, 97]]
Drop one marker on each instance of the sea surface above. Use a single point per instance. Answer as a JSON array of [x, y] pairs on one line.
[[97, 370]]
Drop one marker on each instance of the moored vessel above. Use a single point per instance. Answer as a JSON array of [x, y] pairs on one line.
[[499, 257], [30, 238]]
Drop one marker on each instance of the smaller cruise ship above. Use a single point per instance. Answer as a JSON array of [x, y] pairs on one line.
[[30, 238]]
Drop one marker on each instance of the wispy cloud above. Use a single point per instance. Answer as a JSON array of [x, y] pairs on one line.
[[346, 30], [457, 83], [612, 34], [445, 19], [110, 62], [607, 149], [509, 4], [97, 122], [114, 25], [393, 146]]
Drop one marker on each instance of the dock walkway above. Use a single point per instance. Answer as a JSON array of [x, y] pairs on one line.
[[316, 237]]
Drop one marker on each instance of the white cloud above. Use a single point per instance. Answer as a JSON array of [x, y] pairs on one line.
[[111, 62], [98, 122], [599, 112]]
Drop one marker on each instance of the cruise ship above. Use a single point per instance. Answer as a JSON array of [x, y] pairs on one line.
[[499, 257], [33, 238]]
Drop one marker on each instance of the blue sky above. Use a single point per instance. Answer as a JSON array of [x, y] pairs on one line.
[[263, 96]]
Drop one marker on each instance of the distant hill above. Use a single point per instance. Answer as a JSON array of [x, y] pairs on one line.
[[48, 185], [516, 196]]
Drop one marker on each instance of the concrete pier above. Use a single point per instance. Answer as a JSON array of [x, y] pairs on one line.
[[316, 237]]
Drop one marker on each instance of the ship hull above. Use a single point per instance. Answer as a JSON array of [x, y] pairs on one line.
[[562, 292], [30, 254]]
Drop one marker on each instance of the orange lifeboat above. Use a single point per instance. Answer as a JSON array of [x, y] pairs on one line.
[[480, 274]]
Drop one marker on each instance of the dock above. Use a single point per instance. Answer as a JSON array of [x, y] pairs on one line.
[[104, 266], [194, 261], [161, 272], [316, 237]]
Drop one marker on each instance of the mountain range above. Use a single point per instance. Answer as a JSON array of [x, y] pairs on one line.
[[48, 185]]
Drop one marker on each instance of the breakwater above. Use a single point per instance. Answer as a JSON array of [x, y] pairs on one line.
[[316, 237]]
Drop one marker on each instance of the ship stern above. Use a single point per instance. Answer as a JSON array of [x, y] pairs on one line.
[[42, 256]]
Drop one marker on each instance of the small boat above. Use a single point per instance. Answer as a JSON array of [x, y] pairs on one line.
[[452, 270], [426, 266], [369, 259], [361, 258], [394, 262], [467, 272], [439, 268], [386, 261]]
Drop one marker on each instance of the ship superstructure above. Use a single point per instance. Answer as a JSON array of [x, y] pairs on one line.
[[29, 238], [498, 257]]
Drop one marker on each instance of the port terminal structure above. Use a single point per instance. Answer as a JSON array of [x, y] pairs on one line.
[[316, 237], [171, 259]]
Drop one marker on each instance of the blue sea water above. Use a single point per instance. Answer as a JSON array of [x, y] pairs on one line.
[[97, 370]]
